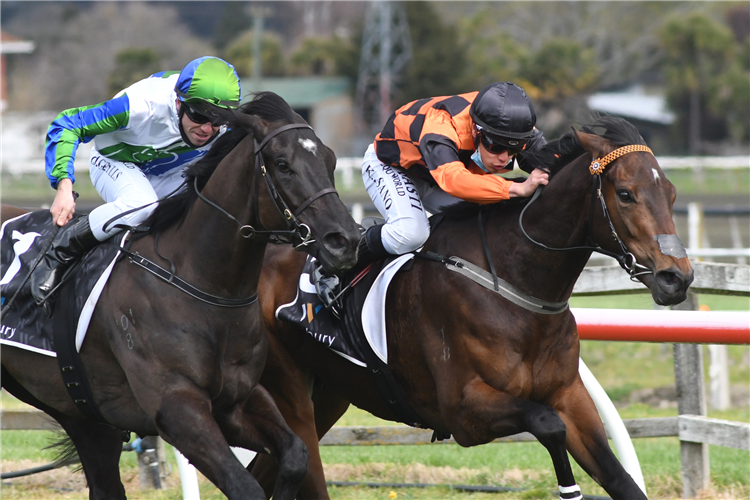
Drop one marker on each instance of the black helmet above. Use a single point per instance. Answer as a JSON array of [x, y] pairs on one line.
[[504, 111]]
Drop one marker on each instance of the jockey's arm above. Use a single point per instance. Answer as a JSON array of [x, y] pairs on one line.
[[65, 133]]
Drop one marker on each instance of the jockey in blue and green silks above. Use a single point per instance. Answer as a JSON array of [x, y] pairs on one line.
[[143, 139]]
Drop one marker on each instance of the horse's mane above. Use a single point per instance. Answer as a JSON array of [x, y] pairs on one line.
[[555, 155], [265, 105]]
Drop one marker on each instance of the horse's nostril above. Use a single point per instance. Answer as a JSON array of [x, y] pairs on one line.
[[335, 241], [669, 280]]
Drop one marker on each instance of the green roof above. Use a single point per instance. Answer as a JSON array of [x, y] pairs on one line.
[[300, 92]]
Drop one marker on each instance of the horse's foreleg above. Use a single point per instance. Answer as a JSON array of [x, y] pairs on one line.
[[258, 425], [486, 413], [587, 443], [185, 421], [290, 388]]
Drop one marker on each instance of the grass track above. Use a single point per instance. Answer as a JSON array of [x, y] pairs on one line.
[[620, 367]]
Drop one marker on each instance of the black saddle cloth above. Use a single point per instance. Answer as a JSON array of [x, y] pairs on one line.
[[346, 335], [343, 335], [25, 324]]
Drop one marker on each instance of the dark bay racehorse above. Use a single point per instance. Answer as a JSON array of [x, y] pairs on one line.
[[189, 370], [470, 362]]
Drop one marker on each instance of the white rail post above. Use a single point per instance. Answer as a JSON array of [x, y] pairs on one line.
[[614, 425], [718, 387], [718, 375], [188, 477], [358, 213], [696, 228], [691, 400]]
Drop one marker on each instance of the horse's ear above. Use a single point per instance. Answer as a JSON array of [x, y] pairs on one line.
[[594, 144], [250, 124]]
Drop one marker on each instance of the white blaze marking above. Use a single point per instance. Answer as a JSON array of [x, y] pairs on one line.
[[309, 145], [656, 176]]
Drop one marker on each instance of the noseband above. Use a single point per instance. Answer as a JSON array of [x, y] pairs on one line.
[[298, 234], [626, 259]]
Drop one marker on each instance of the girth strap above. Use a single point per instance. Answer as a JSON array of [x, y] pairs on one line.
[[487, 280], [479, 275], [69, 361]]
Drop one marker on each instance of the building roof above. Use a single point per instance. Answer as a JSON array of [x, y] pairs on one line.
[[10, 44], [633, 103], [299, 92]]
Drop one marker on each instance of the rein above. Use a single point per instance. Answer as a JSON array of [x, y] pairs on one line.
[[626, 259], [179, 283], [298, 234]]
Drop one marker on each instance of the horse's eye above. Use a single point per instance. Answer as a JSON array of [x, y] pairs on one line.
[[625, 196], [282, 165]]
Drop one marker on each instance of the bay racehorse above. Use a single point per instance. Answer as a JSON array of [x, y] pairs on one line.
[[470, 362], [187, 369]]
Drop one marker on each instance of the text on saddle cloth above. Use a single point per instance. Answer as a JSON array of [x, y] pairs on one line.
[[25, 325]]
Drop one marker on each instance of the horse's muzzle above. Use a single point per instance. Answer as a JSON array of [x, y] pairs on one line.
[[670, 286], [337, 250]]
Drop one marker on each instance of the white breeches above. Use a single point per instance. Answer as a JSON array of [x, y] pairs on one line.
[[397, 199], [123, 186]]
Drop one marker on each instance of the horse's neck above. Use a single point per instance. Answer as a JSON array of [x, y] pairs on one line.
[[557, 219], [212, 245]]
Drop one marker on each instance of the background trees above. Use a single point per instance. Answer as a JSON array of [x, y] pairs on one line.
[[697, 53]]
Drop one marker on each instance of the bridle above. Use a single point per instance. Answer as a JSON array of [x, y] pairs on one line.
[[298, 234], [626, 259]]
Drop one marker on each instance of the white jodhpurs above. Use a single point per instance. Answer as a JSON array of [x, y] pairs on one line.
[[123, 186], [396, 197]]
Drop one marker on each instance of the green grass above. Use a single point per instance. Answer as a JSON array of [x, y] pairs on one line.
[[620, 367], [711, 181], [499, 464]]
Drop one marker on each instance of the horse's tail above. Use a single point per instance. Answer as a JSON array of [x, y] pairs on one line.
[[66, 452]]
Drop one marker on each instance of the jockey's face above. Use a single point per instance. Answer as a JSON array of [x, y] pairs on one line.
[[495, 163], [198, 133]]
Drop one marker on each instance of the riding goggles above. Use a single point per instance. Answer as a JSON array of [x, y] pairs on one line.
[[200, 118], [494, 146]]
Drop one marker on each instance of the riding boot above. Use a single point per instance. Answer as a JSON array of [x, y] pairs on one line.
[[370, 249], [70, 244]]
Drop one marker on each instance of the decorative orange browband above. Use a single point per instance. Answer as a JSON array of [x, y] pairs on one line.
[[597, 166]]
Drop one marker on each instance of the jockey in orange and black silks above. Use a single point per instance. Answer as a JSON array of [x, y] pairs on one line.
[[448, 147], [435, 152]]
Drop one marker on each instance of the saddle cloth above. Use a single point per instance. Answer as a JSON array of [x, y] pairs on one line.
[[363, 316], [25, 325]]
